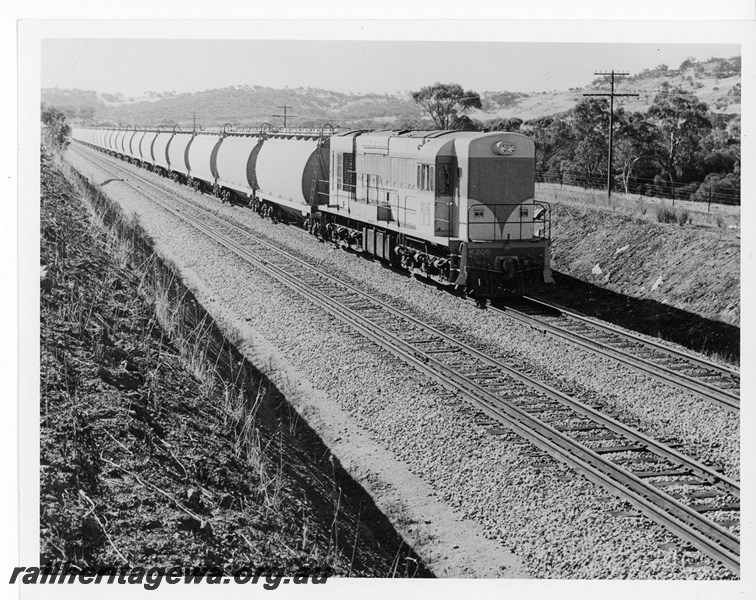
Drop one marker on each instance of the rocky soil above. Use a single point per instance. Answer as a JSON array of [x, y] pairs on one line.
[[559, 525], [616, 261], [160, 445]]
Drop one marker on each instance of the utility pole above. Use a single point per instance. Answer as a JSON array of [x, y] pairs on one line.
[[194, 121], [284, 115], [611, 95]]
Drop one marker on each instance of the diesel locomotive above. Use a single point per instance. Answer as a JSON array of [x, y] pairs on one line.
[[456, 207]]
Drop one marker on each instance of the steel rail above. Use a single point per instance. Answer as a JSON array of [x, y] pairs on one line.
[[653, 345], [593, 414], [606, 421], [686, 522], [678, 517], [709, 392]]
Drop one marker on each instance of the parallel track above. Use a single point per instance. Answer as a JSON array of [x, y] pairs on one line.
[[713, 382], [624, 461]]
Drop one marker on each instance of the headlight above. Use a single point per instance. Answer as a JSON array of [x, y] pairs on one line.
[[503, 148]]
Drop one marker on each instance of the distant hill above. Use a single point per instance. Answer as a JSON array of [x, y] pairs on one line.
[[716, 82]]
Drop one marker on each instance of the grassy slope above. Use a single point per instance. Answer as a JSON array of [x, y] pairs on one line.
[[147, 457]]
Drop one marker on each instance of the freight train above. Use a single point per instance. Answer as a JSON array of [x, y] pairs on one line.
[[456, 207]]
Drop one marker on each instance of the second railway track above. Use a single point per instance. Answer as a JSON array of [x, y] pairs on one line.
[[624, 461], [703, 378]]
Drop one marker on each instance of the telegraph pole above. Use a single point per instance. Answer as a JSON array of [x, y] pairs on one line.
[[611, 95], [284, 115], [194, 122]]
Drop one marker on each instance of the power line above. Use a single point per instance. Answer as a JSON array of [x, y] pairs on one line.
[[611, 95]]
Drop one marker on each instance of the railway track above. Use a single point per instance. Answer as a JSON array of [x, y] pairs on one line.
[[708, 380], [691, 499]]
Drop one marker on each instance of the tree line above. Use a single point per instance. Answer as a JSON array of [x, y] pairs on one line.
[[677, 149]]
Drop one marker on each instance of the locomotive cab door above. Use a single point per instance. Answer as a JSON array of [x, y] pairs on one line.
[[445, 200]]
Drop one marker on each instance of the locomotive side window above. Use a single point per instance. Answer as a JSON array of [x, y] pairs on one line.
[[426, 176], [340, 171], [346, 177]]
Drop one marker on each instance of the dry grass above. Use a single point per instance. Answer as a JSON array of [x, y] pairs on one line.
[[643, 207], [199, 341], [237, 406]]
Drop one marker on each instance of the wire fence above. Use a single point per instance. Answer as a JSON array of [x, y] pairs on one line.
[[708, 193]]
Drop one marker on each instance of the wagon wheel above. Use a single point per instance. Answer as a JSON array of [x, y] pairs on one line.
[[226, 129]]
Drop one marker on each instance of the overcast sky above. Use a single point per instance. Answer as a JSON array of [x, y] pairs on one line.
[[135, 66]]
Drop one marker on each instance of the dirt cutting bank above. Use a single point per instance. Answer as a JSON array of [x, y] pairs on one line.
[[680, 282]]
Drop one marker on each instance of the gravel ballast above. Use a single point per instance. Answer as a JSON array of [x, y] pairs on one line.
[[558, 524]]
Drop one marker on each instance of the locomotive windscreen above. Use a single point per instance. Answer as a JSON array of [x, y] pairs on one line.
[[501, 180]]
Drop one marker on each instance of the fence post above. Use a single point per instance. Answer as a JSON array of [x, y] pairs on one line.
[[709, 207]]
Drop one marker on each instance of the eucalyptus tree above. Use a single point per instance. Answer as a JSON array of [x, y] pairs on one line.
[[680, 121], [447, 104]]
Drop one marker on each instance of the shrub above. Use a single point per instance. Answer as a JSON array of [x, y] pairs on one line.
[[641, 207], [718, 187], [55, 129], [664, 214]]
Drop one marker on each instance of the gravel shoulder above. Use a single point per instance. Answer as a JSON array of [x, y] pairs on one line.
[[558, 525]]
